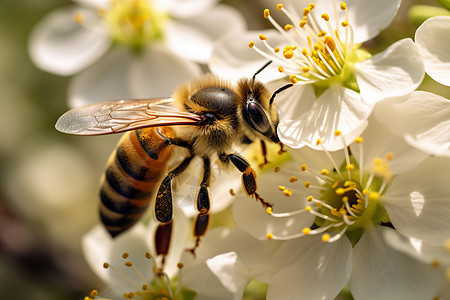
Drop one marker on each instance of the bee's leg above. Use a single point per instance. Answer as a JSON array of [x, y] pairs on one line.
[[162, 241], [281, 151], [163, 204], [248, 176], [264, 153], [201, 222]]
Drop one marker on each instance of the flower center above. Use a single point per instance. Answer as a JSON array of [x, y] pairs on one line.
[[134, 23], [346, 200], [320, 52]]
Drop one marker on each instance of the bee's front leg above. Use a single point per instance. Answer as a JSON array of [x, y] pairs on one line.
[[248, 176]]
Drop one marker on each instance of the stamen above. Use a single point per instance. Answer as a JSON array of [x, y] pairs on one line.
[[337, 236]]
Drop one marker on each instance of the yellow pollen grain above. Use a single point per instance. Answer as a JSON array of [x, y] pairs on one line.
[[324, 172], [344, 23], [276, 50], [180, 265], [262, 37], [281, 187], [308, 208], [279, 6], [128, 264], [251, 44], [310, 198], [269, 210], [337, 132], [325, 237], [277, 169], [435, 263], [322, 33], [303, 167], [326, 17], [269, 235], [79, 17], [288, 27], [293, 79], [293, 179], [359, 140], [130, 295], [318, 142], [306, 69], [306, 230], [280, 69], [288, 54], [125, 255], [266, 13], [302, 23], [307, 184], [93, 294], [350, 167], [374, 196], [105, 265], [343, 5], [148, 255], [144, 287], [287, 193], [390, 156], [232, 193]]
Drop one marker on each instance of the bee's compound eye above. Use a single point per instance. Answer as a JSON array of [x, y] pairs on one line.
[[258, 118]]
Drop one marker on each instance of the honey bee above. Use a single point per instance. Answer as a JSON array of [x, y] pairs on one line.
[[207, 117]]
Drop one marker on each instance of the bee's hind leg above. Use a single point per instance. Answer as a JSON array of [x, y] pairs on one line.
[[264, 153], [248, 176], [201, 222]]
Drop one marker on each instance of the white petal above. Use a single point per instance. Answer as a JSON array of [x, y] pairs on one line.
[[337, 108], [379, 141], [157, 72], [232, 58], [418, 249], [105, 80], [194, 38], [95, 3], [396, 71], [380, 272], [231, 272], [422, 118], [310, 269], [433, 37], [250, 216], [188, 8], [417, 201], [60, 45]]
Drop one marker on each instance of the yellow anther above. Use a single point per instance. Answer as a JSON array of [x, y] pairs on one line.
[[130, 295], [447, 244], [329, 41], [306, 11], [287, 193], [359, 140], [293, 179], [288, 54], [325, 237], [281, 187], [345, 199], [279, 6], [307, 184], [374, 196], [125, 255], [266, 13], [311, 6], [308, 208], [350, 167], [276, 50], [277, 169], [293, 79], [303, 167], [105, 265], [148, 255], [318, 205], [306, 230], [251, 44], [317, 47], [340, 191], [305, 51], [288, 27], [310, 198], [377, 160], [318, 142], [269, 235], [349, 183], [435, 263], [294, 47], [280, 69], [306, 69], [324, 172], [128, 264], [93, 294], [322, 33], [390, 156], [79, 17], [144, 287], [232, 193], [344, 23], [180, 265], [87, 298], [365, 191], [326, 17], [262, 37], [269, 210], [302, 23], [337, 132], [343, 6], [100, 12]]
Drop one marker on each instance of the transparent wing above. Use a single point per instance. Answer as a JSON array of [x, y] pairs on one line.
[[123, 115]]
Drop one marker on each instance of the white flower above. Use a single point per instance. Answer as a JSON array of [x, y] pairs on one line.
[[152, 44], [131, 267], [433, 37], [336, 200], [337, 83]]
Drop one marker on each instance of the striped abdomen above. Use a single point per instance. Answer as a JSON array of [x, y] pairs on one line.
[[132, 172]]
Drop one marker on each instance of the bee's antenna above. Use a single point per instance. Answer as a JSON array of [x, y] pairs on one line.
[[279, 91], [260, 69]]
